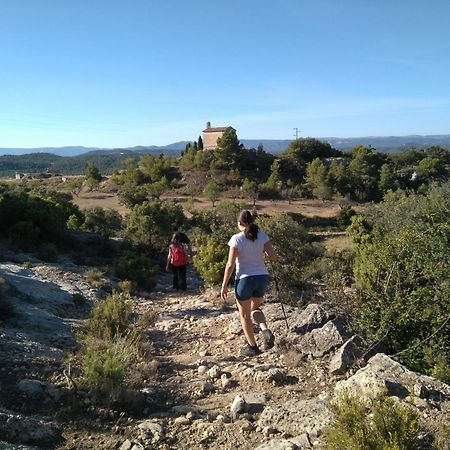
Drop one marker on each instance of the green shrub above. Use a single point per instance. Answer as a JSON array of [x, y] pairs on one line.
[[442, 437], [376, 424], [33, 218], [103, 369], [136, 267], [74, 222], [109, 318], [79, 299], [294, 249], [105, 221], [211, 257], [344, 216], [402, 268], [150, 223]]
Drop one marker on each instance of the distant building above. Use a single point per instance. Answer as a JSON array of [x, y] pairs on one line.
[[339, 159], [210, 135]]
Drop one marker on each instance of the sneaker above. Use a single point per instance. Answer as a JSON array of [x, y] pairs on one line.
[[269, 339], [250, 350]]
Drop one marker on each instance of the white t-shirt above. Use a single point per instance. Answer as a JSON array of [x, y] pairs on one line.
[[250, 256]]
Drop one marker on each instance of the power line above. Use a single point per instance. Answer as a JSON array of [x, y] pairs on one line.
[[296, 133]]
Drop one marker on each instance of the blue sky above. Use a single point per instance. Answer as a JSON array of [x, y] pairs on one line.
[[110, 73]]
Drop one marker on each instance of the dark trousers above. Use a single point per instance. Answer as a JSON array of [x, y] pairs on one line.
[[179, 277]]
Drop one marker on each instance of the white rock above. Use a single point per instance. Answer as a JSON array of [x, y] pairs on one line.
[[238, 405], [214, 372]]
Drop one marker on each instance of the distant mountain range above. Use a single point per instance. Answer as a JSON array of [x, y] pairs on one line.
[[381, 143]]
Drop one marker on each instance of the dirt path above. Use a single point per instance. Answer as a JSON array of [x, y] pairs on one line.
[[197, 342]]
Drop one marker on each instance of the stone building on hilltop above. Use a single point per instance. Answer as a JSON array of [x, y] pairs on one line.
[[210, 135]]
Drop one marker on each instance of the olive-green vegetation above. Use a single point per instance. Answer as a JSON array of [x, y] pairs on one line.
[[400, 269], [295, 249], [105, 221], [93, 175], [375, 424], [29, 220], [110, 343], [402, 273]]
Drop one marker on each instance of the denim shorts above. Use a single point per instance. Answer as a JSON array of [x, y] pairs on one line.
[[252, 286]]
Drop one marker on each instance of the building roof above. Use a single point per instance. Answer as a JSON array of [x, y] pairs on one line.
[[217, 129]]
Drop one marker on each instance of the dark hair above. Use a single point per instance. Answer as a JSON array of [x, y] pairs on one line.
[[245, 218], [175, 238]]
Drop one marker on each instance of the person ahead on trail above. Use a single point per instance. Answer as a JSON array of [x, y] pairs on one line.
[[247, 250], [178, 259], [183, 238]]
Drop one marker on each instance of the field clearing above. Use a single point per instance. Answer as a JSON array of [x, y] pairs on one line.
[[337, 242], [306, 207]]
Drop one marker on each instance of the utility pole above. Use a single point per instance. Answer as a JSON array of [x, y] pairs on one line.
[[296, 133]]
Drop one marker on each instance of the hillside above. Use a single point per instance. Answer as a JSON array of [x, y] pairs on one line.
[[381, 143]]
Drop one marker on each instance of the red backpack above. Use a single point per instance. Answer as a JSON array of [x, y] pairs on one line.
[[179, 257]]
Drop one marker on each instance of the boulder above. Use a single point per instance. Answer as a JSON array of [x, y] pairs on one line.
[[297, 417], [24, 430], [295, 443], [42, 391], [383, 373], [345, 357], [299, 321], [322, 340]]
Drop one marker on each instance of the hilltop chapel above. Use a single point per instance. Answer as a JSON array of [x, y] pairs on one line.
[[210, 135]]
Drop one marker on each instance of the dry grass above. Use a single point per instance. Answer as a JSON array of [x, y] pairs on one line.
[[337, 243], [306, 207]]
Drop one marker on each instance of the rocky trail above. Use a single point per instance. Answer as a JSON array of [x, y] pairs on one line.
[[202, 393]]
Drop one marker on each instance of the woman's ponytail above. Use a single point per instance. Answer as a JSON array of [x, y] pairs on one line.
[[245, 218]]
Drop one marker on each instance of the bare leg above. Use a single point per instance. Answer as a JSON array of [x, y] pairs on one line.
[[260, 319], [257, 315], [245, 314]]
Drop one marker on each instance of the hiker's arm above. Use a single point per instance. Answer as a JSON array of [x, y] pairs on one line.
[[168, 259], [232, 254], [270, 251]]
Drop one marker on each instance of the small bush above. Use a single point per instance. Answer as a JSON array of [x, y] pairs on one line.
[[79, 299], [126, 286], [379, 423], [442, 437], [211, 257], [147, 319], [136, 267], [110, 318], [344, 216], [94, 276], [103, 369]]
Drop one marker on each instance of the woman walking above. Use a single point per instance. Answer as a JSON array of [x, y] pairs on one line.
[[247, 250], [177, 258]]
